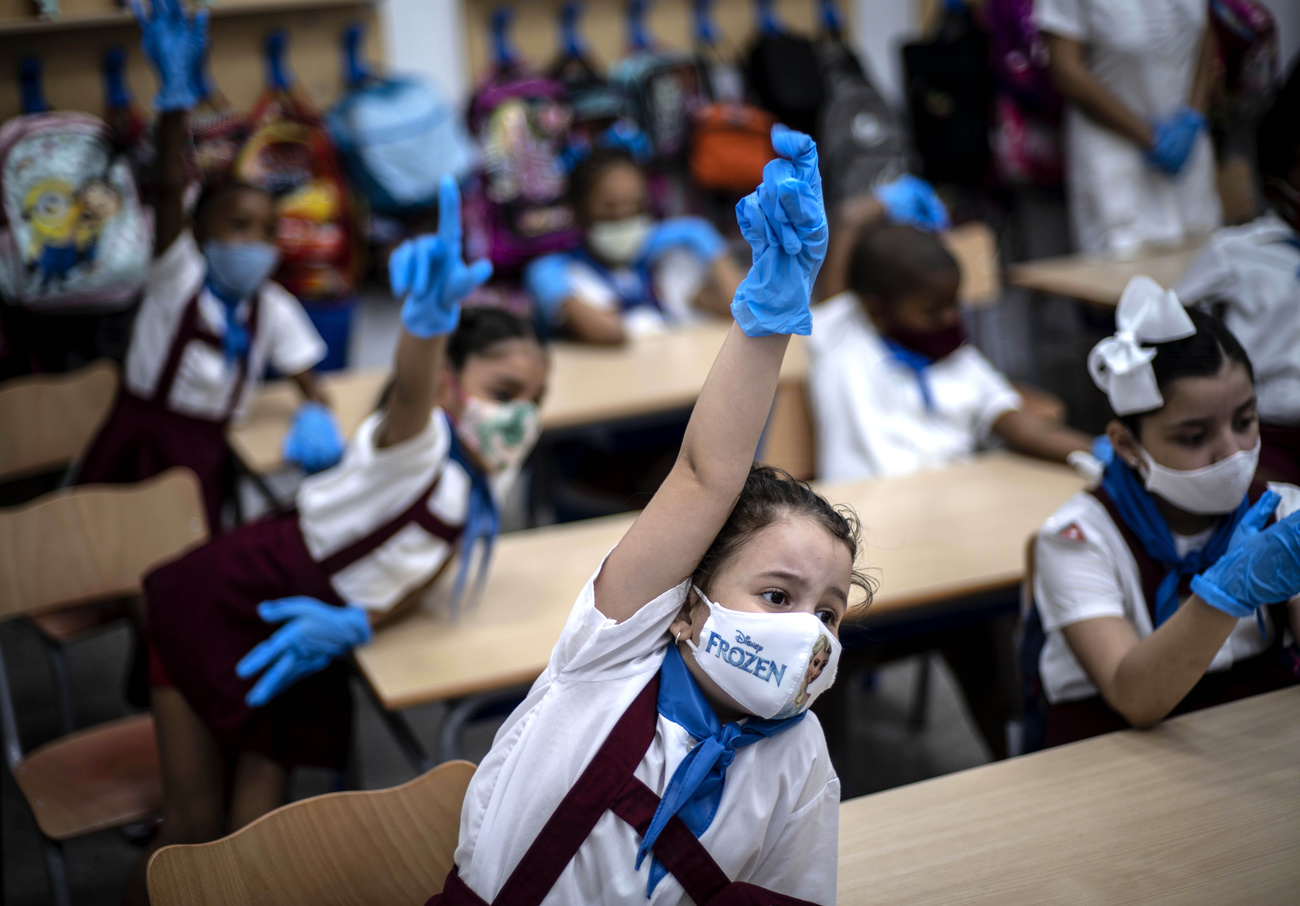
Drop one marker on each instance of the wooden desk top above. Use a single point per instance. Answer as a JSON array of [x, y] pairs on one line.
[[930, 536], [1099, 279], [588, 384], [1201, 810]]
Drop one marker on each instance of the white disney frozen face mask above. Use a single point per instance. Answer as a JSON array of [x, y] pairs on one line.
[[773, 664], [1209, 491]]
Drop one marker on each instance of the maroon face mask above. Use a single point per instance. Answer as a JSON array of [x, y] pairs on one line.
[[933, 344]]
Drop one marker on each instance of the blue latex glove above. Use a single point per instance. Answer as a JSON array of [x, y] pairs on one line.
[[911, 200], [695, 234], [1102, 449], [314, 441], [314, 633], [1174, 140], [547, 281], [784, 222], [174, 43], [1261, 565], [432, 270]]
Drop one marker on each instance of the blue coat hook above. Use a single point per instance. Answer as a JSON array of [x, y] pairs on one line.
[[637, 37], [277, 74], [832, 21], [116, 93], [29, 75], [768, 23], [502, 53], [355, 72], [706, 32], [570, 43]]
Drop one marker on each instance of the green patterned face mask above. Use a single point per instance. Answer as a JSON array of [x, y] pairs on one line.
[[500, 434]]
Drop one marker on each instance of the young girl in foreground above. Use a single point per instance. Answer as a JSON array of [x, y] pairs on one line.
[[246, 631], [1155, 588], [666, 754]]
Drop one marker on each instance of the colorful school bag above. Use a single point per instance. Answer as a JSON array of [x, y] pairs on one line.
[[784, 73], [1026, 129], [396, 136], [1247, 57], [731, 146], [74, 233], [289, 154]]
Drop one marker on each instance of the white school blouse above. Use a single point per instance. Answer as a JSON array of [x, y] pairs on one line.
[[367, 490], [777, 825], [678, 278], [870, 415], [285, 337], [1255, 270], [1083, 569]]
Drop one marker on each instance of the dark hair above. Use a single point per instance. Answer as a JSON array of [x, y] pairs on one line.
[[589, 171], [213, 192], [1200, 355], [482, 327], [769, 494], [889, 261], [1277, 137]]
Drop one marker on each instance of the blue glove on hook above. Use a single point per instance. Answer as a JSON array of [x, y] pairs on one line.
[[1175, 137], [1261, 565], [547, 281], [314, 441], [174, 43], [432, 270], [695, 234], [314, 633], [912, 201], [784, 222]]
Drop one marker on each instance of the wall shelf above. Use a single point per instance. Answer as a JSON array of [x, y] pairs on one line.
[[30, 25]]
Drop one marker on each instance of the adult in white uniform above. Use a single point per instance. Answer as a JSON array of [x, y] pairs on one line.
[[1140, 167]]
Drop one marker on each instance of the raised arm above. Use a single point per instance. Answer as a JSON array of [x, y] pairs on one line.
[[431, 272], [785, 224]]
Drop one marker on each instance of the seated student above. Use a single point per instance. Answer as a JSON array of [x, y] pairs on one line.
[[245, 632], [894, 385], [1128, 640], [211, 319], [667, 755], [1253, 271], [631, 276]]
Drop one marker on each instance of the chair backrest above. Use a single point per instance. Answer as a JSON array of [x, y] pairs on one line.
[[96, 541], [976, 250], [380, 848], [50, 419]]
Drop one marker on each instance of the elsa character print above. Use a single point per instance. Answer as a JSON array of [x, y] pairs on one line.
[[821, 655]]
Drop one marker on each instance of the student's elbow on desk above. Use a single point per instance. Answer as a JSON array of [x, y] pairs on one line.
[[592, 325]]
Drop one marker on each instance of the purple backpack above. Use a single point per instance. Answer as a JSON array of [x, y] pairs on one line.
[[1247, 55], [1019, 56]]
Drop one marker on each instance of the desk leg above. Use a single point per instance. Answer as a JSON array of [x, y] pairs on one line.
[[470, 708], [403, 735], [276, 505]]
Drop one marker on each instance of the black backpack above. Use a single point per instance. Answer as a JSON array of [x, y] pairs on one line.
[[860, 143], [786, 79]]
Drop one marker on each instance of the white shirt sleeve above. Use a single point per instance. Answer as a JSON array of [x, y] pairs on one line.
[[1209, 278], [293, 344], [996, 396], [1073, 581], [804, 861], [1062, 17]]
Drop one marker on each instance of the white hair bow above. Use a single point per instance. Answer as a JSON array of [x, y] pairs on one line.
[[1121, 365]]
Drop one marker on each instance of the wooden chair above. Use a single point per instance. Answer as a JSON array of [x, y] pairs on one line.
[[380, 848], [50, 419], [70, 547]]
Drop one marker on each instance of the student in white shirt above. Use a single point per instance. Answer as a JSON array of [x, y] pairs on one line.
[[1161, 590], [631, 276], [662, 758], [1252, 273], [211, 319], [245, 632]]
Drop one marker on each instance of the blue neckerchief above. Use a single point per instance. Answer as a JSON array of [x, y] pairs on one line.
[[916, 363], [645, 294], [695, 789], [234, 342], [481, 523], [1138, 510]]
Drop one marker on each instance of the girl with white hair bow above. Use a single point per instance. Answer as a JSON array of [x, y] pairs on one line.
[[1166, 588]]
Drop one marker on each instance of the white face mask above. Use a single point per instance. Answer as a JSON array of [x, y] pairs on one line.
[[773, 664], [1209, 491], [500, 434], [619, 241]]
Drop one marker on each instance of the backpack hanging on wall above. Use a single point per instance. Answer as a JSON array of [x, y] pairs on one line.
[[948, 96], [74, 233], [1247, 57], [217, 131], [1026, 133], [860, 143], [784, 73], [603, 114], [289, 154]]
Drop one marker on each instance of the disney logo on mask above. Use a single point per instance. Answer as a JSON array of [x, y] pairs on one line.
[[742, 639], [748, 661]]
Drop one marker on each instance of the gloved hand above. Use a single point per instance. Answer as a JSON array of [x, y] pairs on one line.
[[314, 440], [174, 43], [695, 234], [313, 634], [1175, 137], [911, 200], [547, 281], [784, 222], [432, 270], [1261, 565]]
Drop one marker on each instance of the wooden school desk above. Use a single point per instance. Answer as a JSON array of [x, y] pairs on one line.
[[588, 384], [1200, 810], [931, 538], [1099, 279]]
